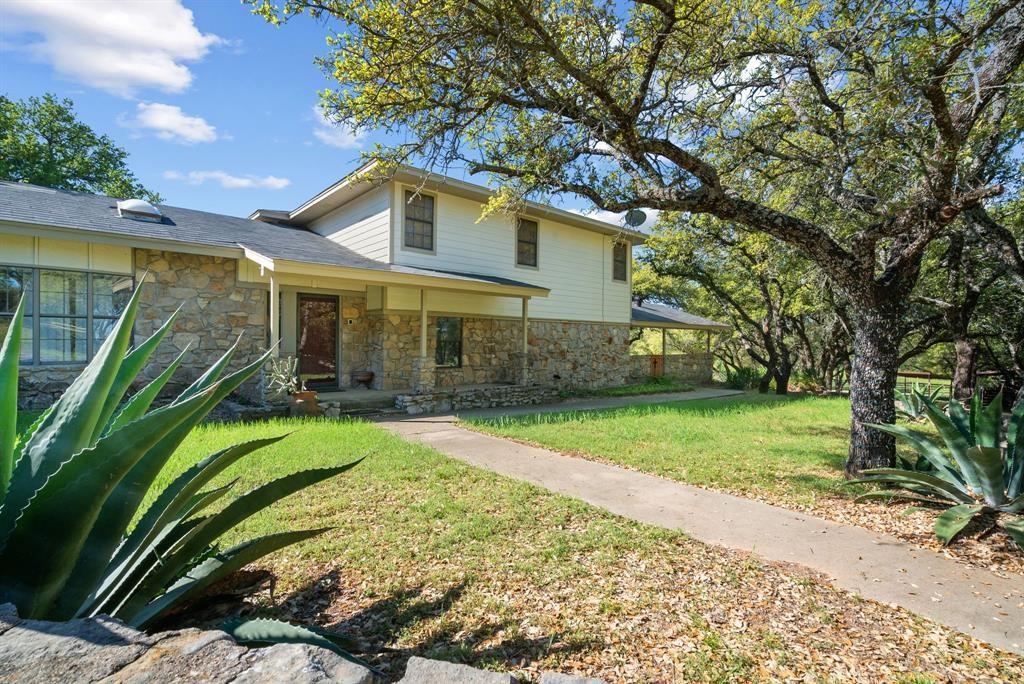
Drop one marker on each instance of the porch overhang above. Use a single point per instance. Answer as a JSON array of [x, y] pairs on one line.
[[647, 315], [390, 274]]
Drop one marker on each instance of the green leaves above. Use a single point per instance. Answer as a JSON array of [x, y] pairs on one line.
[[9, 354], [955, 519], [974, 473], [264, 632], [78, 476]]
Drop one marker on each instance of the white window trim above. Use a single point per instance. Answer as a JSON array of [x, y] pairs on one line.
[[515, 243], [401, 221]]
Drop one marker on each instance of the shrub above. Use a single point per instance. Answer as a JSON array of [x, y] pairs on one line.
[[971, 472], [72, 482], [743, 378]]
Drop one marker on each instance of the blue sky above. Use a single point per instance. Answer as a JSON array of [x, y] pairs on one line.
[[215, 106]]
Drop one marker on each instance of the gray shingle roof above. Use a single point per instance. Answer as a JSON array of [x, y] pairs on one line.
[[661, 316], [35, 205]]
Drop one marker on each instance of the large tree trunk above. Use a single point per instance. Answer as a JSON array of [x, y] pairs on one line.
[[782, 380], [966, 367], [872, 382], [766, 382]]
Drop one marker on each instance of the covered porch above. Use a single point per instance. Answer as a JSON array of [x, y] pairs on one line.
[[692, 364], [376, 333]]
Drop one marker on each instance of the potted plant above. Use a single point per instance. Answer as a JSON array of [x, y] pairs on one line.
[[284, 382]]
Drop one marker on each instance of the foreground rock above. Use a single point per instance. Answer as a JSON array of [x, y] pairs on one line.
[[103, 649], [106, 650]]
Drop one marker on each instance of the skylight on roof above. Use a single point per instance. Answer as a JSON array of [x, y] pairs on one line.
[[140, 210]]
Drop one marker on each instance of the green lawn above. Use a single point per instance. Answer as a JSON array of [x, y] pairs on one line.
[[789, 447], [433, 557], [649, 386]]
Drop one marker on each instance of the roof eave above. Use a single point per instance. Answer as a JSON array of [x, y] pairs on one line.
[[387, 277], [358, 182]]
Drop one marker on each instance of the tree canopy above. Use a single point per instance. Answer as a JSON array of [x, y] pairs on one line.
[[43, 142]]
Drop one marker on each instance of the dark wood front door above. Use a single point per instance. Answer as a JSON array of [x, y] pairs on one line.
[[318, 341]]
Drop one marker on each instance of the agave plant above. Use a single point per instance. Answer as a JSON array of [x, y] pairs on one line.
[[976, 469], [73, 481], [912, 405]]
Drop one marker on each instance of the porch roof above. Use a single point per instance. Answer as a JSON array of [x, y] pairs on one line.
[[76, 215], [649, 315]]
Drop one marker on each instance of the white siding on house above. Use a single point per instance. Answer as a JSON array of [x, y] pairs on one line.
[[362, 225], [575, 264]]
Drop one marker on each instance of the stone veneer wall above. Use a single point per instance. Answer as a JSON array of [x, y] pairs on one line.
[[566, 354], [357, 351], [216, 310], [573, 354], [694, 367]]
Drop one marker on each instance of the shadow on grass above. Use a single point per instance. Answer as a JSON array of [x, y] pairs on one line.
[[388, 620]]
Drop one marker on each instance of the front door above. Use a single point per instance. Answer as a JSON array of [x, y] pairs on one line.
[[318, 341]]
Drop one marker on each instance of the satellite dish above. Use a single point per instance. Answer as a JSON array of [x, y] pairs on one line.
[[635, 217]]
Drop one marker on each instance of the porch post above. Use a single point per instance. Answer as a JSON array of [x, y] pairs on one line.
[[423, 324], [526, 325], [663, 352], [521, 368], [275, 305], [423, 368]]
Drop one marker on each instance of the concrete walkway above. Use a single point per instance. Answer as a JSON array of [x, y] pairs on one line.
[[875, 566]]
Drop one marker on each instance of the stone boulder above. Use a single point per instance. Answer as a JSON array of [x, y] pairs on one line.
[[106, 650]]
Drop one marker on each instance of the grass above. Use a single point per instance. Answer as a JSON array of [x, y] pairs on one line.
[[789, 447], [436, 558], [649, 386]]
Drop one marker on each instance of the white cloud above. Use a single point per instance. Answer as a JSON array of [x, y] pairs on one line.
[[115, 45], [171, 123], [334, 134], [228, 181]]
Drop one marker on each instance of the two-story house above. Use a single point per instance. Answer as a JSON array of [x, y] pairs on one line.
[[398, 276]]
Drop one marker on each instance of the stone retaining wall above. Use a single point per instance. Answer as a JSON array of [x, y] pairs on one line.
[[476, 397], [694, 367]]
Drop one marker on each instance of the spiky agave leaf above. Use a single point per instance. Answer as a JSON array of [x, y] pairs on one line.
[[10, 353], [81, 484], [212, 570], [123, 503], [167, 508], [174, 563], [68, 427], [266, 631], [953, 520]]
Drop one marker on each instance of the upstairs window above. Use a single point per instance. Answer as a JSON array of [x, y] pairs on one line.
[[449, 343], [526, 243], [620, 261], [419, 221]]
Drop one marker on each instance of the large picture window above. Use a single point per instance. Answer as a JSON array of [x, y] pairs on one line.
[[419, 221], [68, 314], [526, 242], [449, 342], [620, 261]]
